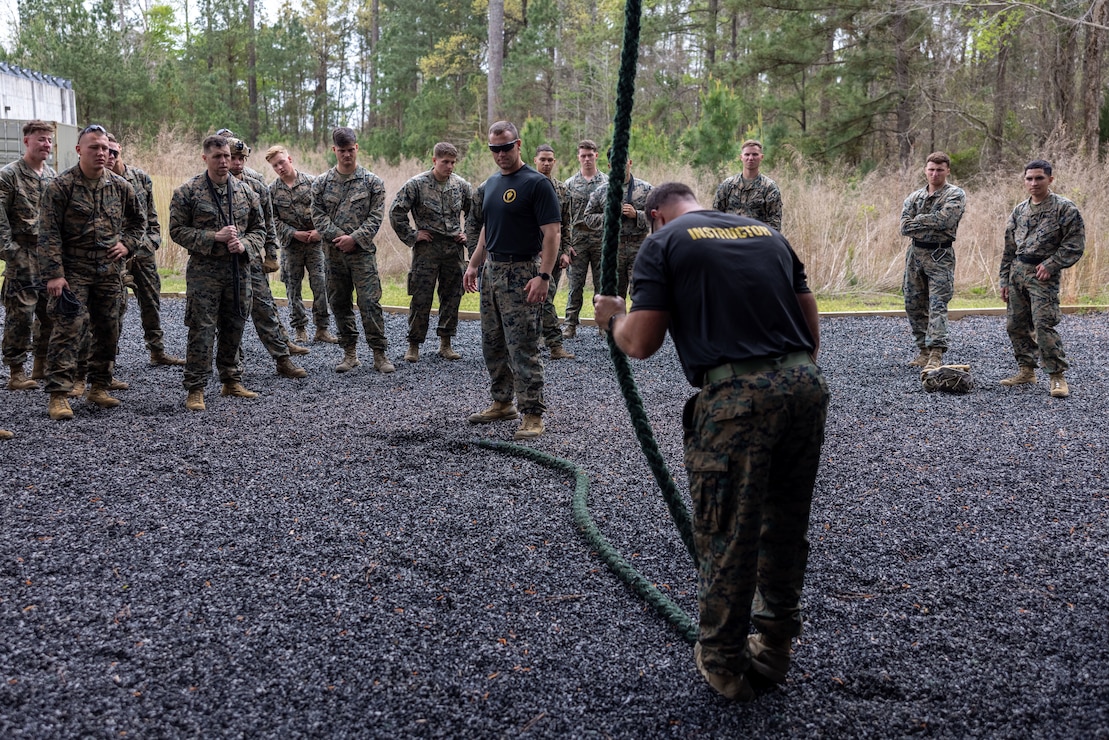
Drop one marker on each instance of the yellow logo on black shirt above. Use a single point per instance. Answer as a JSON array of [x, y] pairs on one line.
[[509, 195]]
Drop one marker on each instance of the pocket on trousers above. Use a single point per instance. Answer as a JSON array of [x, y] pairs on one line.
[[409, 282], [709, 488]]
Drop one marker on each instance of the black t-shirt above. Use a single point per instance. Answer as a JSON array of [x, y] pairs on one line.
[[729, 284], [514, 208]]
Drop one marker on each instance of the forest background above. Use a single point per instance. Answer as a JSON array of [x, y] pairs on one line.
[[848, 97]]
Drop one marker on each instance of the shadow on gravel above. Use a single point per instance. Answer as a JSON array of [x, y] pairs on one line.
[[338, 559]]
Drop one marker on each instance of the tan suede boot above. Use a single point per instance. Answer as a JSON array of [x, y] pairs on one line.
[[1059, 387], [296, 349], [118, 385], [413, 353], [237, 390], [935, 359], [286, 367], [38, 370], [499, 410], [531, 426], [59, 407], [195, 401], [350, 361], [381, 362], [921, 358], [446, 351], [78, 389], [323, 335], [1026, 375], [5, 434], [558, 352], [99, 396], [301, 335], [19, 381], [159, 357]]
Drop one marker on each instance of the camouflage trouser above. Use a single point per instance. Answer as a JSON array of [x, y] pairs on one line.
[[147, 289], [510, 335], [1031, 317], [217, 305], [588, 258], [552, 335], [92, 328], [625, 261], [752, 449], [299, 258], [348, 274], [263, 311], [22, 305], [440, 260], [928, 286]]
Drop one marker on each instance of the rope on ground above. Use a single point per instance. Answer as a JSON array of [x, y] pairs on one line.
[[623, 570]]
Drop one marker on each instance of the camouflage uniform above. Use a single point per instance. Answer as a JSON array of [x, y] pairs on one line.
[[437, 208], [263, 310], [585, 242], [474, 219], [24, 291], [632, 230], [80, 221], [510, 332], [292, 211], [759, 199], [930, 220], [1051, 233], [552, 335], [352, 205], [142, 264], [218, 282]]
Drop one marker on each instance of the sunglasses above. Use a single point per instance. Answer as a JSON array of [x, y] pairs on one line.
[[113, 152], [498, 148], [94, 128]]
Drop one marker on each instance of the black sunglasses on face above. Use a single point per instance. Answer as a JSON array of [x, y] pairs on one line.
[[113, 152], [497, 148]]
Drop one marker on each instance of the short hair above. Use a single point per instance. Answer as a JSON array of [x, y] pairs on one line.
[[215, 141], [343, 136], [112, 138], [588, 144], [445, 149], [1039, 164], [274, 150], [939, 158], [666, 192], [36, 125], [504, 127], [544, 148], [750, 142]]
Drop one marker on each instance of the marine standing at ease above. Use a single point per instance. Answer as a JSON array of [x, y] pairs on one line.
[[930, 217], [751, 193]]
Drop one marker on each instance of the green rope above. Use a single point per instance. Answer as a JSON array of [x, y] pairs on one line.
[[625, 93], [623, 570]]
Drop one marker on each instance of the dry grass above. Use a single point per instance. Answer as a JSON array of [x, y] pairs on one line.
[[844, 228]]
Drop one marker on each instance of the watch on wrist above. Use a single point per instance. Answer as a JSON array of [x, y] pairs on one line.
[[545, 276]]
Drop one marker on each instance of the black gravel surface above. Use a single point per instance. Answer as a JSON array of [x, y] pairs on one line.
[[338, 559]]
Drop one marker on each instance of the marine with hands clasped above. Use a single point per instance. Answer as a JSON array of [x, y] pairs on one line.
[[585, 243], [634, 225], [552, 332], [218, 220]]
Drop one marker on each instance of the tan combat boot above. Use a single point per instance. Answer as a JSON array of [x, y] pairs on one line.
[[935, 359], [195, 401], [159, 357], [350, 361], [1059, 387], [558, 352], [769, 657], [921, 358], [323, 335], [118, 385], [381, 362], [5, 434], [499, 410], [729, 685], [19, 381], [446, 351], [1026, 375], [531, 426], [99, 396], [296, 349], [78, 389], [286, 367], [301, 335], [570, 331], [38, 370], [236, 389], [59, 407], [413, 353]]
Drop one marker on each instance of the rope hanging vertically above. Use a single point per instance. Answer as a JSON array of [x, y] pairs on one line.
[[621, 136]]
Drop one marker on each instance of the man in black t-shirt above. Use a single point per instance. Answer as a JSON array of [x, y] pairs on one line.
[[735, 299], [521, 223]]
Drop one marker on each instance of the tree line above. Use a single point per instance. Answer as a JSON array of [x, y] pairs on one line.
[[861, 83]]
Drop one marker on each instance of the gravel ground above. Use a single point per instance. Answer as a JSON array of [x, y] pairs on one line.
[[337, 558]]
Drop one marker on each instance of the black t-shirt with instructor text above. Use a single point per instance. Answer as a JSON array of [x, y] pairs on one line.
[[514, 208]]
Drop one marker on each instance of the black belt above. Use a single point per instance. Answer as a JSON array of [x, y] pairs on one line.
[[1029, 259], [757, 365], [931, 245], [513, 257]]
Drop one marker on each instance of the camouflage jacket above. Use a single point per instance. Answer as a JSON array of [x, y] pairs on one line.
[[21, 189], [436, 207], [475, 219], [292, 207], [759, 199], [567, 217], [637, 227], [578, 189], [77, 216], [933, 217], [144, 190], [269, 247], [1052, 233], [352, 205], [195, 217]]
